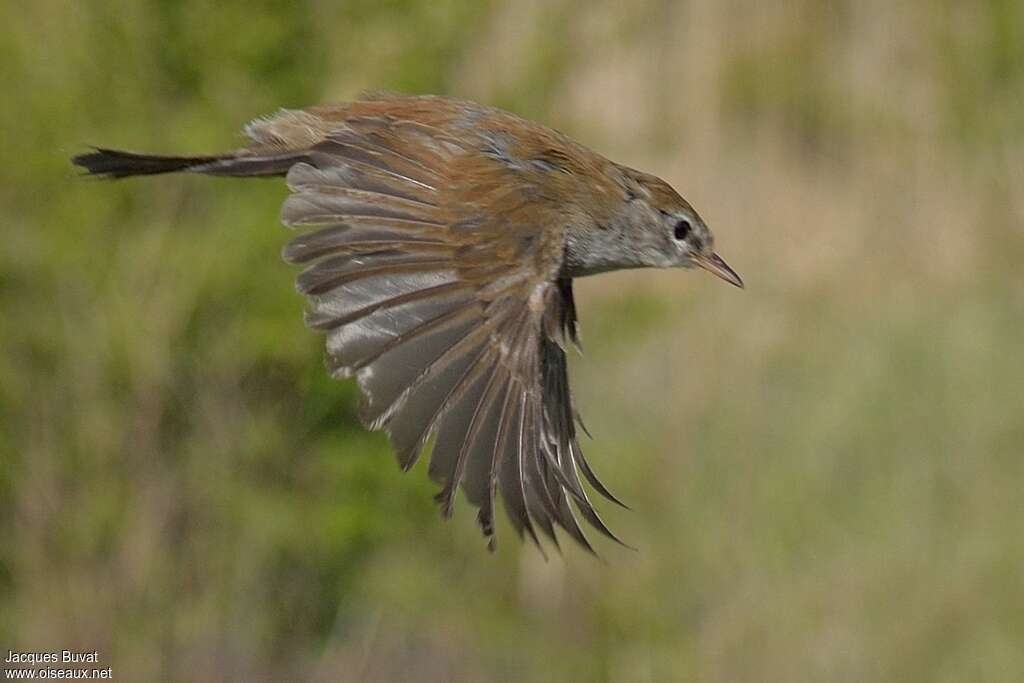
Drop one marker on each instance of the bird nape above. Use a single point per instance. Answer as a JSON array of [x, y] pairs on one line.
[[440, 239]]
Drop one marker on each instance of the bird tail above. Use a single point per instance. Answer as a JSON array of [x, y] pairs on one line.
[[114, 163]]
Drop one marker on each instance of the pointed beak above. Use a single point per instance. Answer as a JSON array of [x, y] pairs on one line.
[[715, 264]]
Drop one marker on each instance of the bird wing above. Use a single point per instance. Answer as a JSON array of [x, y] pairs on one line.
[[432, 266]]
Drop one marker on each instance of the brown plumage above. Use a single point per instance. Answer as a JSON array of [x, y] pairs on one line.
[[440, 238]]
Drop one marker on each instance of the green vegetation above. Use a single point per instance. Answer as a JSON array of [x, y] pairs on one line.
[[825, 469]]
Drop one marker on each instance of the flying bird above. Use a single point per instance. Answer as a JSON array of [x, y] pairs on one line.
[[440, 240]]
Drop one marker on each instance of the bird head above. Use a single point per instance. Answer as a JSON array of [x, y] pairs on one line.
[[667, 231]]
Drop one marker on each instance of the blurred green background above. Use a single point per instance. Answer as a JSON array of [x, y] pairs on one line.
[[825, 469]]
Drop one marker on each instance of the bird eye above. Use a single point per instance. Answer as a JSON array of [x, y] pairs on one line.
[[683, 229]]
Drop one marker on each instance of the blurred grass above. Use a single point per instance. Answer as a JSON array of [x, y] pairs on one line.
[[825, 468]]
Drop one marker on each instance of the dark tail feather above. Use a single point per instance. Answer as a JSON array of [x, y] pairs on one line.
[[113, 163]]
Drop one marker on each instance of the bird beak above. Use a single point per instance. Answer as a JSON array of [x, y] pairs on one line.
[[714, 264]]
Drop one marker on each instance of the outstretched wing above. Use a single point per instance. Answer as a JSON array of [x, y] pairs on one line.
[[433, 269]]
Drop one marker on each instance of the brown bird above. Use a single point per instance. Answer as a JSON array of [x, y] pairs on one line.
[[441, 239]]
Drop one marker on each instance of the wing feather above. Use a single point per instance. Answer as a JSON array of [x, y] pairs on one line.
[[410, 428], [511, 480], [358, 175], [457, 437]]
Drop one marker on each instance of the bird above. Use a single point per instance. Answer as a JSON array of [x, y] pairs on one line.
[[440, 239]]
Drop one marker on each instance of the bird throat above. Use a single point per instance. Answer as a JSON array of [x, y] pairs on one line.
[[595, 248]]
